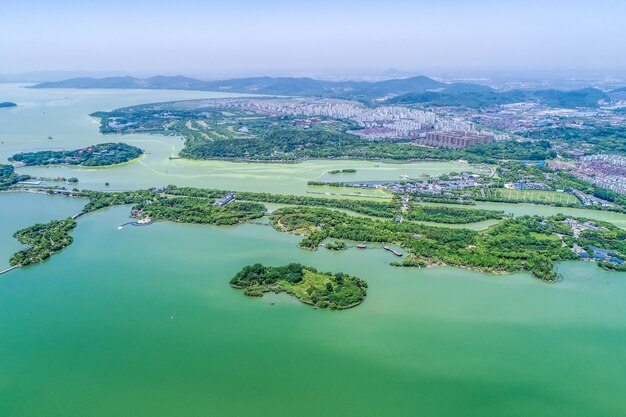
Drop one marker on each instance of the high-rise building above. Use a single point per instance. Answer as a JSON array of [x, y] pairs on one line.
[[454, 140]]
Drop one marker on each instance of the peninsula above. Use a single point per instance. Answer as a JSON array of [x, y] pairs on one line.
[[526, 243], [8, 177]]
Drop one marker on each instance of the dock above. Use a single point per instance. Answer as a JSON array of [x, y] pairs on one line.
[[10, 269], [395, 252]]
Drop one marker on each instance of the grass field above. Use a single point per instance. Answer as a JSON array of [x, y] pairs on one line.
[[348, 192], [535, 196]]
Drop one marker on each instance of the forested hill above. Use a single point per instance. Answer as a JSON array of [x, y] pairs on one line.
[[290, 86], [413, 90]]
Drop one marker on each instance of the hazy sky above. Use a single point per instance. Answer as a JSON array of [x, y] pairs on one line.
[[278, 36]]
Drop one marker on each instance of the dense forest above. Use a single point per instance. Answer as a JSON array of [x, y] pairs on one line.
[[521, 244], [451, 215], [43, 241], [180, 209], [193, 210], [102, 154], [320, 289]]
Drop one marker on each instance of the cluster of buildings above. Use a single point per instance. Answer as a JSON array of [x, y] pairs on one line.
[[527, 186], [525, 117], [225, 200], [433, 186], [378, 123], [589, 200], [605, 171], [578, 227], [455, 139], [600, 254]]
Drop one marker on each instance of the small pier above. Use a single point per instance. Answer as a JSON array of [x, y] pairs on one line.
[[141, 222], [10, 269], [395, 252]]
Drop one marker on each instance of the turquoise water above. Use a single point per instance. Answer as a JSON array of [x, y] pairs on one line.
[[141, 322]]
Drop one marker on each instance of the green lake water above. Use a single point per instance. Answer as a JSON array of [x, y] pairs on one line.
[[141, 321]]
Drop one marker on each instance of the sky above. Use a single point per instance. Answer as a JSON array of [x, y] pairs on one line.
[[279, 37]]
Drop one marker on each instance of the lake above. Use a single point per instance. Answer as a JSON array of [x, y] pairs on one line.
[[142, 322]]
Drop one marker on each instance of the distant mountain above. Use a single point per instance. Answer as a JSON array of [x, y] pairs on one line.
[[412, 90], [476, 96], [7, 104], [618, 94], [259, 85], [586, 97]]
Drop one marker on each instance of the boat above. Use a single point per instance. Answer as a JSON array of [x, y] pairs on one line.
[[361, 246]]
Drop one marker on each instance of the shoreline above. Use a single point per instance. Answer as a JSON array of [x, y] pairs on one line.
[[307, 159], [130, 161]]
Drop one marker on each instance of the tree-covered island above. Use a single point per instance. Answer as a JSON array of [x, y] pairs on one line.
[[320, 289], [43, 241], [99, 155]]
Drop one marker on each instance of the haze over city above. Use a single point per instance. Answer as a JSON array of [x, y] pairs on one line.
[[241, 37]]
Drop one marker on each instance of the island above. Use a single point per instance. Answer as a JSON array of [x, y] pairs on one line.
[[103, 154], [320, 289], [43, 241], [7, 104]]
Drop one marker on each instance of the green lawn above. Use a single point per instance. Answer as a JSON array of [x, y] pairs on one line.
[[376, 194], [538, 196]]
